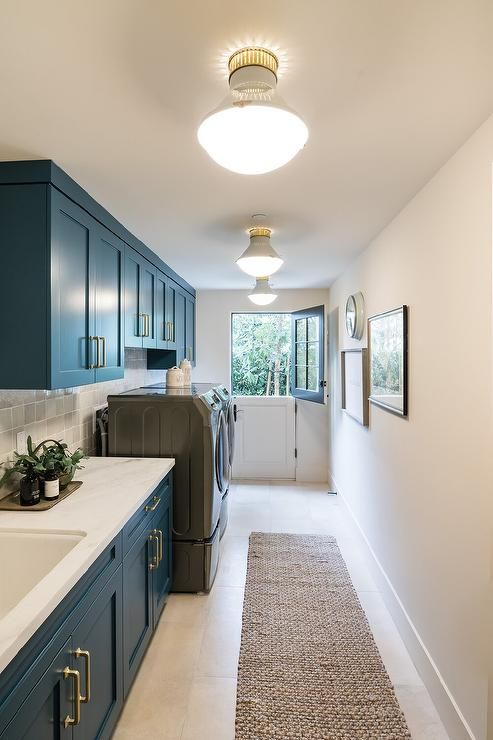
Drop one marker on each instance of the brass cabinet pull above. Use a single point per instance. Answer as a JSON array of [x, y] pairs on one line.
[[155, 558], [152, 507], [79, 653], [160, 542], [103, 342], [93, 366], [148, 325], [173, 339], [98, 358], [139, 317], [75, 720]]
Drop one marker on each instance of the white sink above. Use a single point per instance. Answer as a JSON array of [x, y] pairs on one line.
[[26, 557]]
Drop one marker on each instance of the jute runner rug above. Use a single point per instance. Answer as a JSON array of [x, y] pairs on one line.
[[309, 667]]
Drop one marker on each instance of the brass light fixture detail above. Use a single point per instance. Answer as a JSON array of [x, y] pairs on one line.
[[253, 56], [260, 231]]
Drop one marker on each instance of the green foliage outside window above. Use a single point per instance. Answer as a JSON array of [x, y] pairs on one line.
[[261, 353]]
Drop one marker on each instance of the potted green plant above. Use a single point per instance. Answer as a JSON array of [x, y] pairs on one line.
[[30, 467], [56, 458]]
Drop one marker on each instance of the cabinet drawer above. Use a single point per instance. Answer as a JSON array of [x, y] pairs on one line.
[[142, 518]]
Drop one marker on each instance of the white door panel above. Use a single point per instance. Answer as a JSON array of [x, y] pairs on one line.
[[265, 437]]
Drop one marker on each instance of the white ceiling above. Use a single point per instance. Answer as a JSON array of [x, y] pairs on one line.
[[113, 91]]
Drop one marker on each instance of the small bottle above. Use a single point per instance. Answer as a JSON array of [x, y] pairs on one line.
[[29, 490], [52, 483]]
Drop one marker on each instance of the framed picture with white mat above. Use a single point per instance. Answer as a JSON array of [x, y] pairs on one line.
[[354, 384]]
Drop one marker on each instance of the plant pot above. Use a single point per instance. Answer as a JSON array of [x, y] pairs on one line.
[[29, 491]]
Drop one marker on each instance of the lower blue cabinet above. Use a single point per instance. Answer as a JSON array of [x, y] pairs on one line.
[[42, 715], [137, 606], [71, 678], [97, 648], [161, 528], [146, 583]]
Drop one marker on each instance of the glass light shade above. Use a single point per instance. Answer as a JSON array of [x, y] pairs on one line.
[[256, 266], [253, 137], [262, 294]]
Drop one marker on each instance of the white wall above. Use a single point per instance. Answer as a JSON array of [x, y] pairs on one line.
[[214, 309], [421, 488]]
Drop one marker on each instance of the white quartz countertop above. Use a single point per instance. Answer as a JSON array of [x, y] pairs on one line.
[[112, 491]]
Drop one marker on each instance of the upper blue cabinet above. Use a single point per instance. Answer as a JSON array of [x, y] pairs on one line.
[[76, 287]]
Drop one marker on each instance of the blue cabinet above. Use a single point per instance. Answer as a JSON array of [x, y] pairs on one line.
[[76, 287], [80, 694], [190, 328], [165, 312], [185, 326], [71, 678], [161, 573], [140, 301], [96, 653], [60, 292], [146, 577], [86, 297], [42, 716]]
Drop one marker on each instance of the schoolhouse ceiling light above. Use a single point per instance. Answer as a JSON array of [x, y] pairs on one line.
[[262, 294], [259, 258], [252, 131]]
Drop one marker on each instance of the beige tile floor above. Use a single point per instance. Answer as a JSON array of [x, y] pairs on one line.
[[185, 689]]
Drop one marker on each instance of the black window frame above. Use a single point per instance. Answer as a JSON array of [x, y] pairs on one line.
[[304, 394]]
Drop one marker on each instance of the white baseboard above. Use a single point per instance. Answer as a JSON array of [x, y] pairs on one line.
[[448, 709]]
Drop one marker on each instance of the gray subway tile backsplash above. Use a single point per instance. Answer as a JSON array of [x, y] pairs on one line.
[[65, 414]]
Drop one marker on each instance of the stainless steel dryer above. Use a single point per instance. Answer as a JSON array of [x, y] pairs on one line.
[[189, 425]]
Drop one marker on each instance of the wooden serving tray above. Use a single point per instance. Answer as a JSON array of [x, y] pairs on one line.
[[12, 501]]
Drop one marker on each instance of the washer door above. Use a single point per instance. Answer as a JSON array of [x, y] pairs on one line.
[[222, 454]]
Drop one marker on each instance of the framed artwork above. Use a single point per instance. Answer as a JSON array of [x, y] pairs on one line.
[[387, 338], [354, 384]]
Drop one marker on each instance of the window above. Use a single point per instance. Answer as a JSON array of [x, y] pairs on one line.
[[278, 354], [260, 354], [308, 350]]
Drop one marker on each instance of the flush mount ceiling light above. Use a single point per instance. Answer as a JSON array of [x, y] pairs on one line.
[[252, 131], [262, 294], [259, 258]]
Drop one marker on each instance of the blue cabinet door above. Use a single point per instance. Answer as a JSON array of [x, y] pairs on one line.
[[161, 585], [42, 715], [147, 301], [162, 326], [180, 322], [108, 255], [100, 636], [190, 329], [137, 604], [171, 289], [72, 315], [133, 318]]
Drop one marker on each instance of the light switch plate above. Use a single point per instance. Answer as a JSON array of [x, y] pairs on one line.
[[21, 443]]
